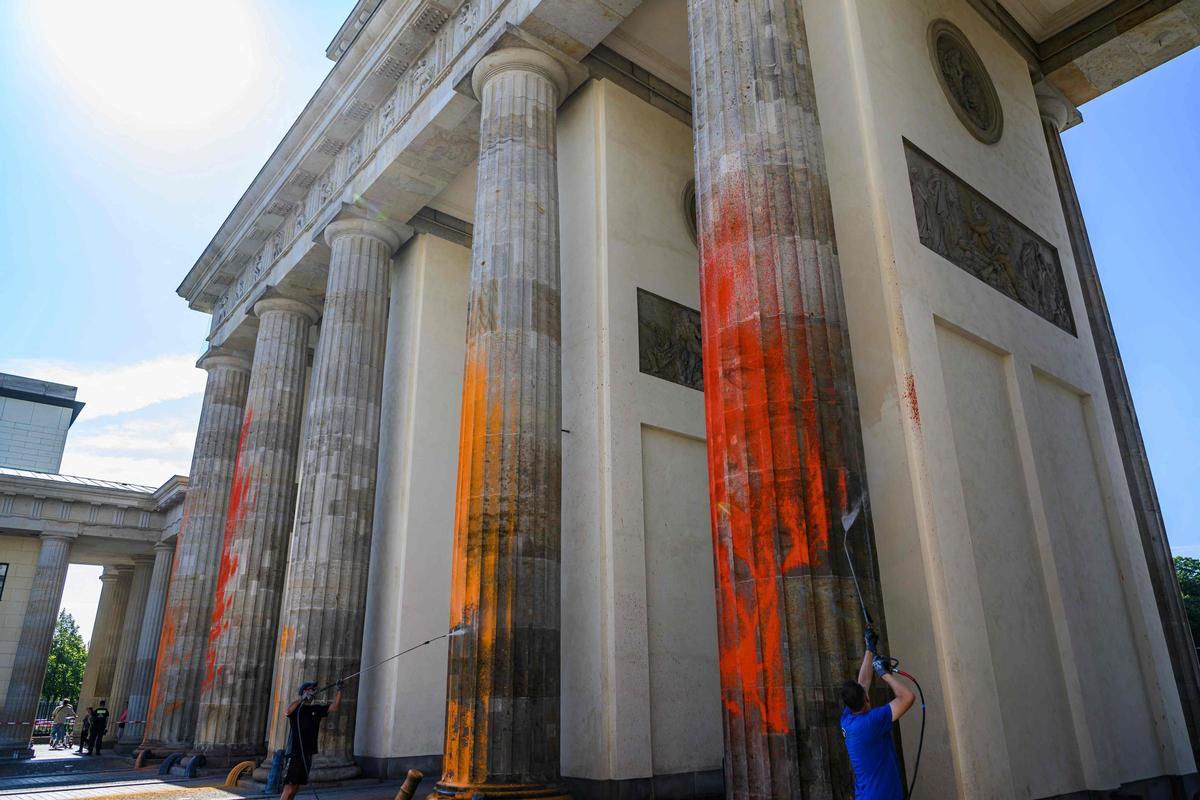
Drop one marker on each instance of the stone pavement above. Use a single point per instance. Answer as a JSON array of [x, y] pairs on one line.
[[58, 775]]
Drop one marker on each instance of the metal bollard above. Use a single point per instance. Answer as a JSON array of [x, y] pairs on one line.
[[275, 776], [409, 787]]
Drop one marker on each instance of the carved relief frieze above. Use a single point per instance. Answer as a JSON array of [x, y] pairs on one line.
[[669, 345], [973, 233], [453, 27]]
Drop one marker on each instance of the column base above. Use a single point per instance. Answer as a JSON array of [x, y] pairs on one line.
[[15, 752], [226, 755], [500, 791], [323, 771], [333, 768]]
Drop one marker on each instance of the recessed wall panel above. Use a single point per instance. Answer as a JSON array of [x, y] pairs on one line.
[[1025, 656], [685, 687], [1093, 586]]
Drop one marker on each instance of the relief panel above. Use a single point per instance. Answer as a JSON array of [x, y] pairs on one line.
[[976, 235], [669, 340]]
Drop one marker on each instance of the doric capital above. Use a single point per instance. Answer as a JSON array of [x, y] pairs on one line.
[[522, 59], [273, 300], [1055, 108], [350, 220], [58, 536], [111, 573], [165, 546], [220, 357], [143, 560]]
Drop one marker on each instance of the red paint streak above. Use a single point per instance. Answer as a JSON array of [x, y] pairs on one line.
[[240, 502], [910, 399], [775, 476]]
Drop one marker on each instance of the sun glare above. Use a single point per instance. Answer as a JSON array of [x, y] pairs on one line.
[[150, 67]]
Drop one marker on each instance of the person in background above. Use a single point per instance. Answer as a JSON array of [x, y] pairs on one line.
[[99, 728], [121, 720], [85, 733], [58, 734]]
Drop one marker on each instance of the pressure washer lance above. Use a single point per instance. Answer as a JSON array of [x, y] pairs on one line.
[[893, 664], [457, 630]]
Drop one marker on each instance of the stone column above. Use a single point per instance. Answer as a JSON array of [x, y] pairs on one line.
[[131, 629], [37, 631], [502, 705], [325, 594], [241, 641], [142, 677], [784, 445], [1056, 112], [106, 640], [175, 697]]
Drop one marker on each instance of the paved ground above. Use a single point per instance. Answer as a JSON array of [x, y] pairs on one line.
[[58, 775]]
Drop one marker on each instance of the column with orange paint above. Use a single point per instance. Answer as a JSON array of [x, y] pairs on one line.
[[502, 721], [785, 451]]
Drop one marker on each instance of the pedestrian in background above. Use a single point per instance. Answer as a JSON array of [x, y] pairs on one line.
[[99, 728], [85, 733]]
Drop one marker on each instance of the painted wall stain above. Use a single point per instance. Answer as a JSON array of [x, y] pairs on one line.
[[910, 399]]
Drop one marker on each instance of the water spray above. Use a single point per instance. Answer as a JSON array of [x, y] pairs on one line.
[[848, 520]]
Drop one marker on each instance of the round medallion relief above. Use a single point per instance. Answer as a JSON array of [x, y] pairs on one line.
[[690, 212], [965, 81]]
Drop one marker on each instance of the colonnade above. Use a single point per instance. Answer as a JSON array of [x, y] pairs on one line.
[[260, 601]]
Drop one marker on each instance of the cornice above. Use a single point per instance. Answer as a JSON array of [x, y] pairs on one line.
[[332, 138]]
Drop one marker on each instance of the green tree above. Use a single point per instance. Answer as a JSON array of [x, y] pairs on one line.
[[1187, 570], [68, 657]]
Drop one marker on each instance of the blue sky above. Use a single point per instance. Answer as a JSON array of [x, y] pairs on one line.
[[131, 127]]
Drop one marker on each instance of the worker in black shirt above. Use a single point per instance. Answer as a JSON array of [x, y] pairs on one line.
[[99, 728], [304, 717]]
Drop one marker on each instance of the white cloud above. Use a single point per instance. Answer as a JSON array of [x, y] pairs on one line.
[[169, 436], [139, 420], [109, 389]]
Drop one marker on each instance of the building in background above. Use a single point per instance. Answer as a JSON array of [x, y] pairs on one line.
[[49, 521], [34, 419]]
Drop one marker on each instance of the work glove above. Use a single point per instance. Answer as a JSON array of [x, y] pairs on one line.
[[882, 666], [872, 640]]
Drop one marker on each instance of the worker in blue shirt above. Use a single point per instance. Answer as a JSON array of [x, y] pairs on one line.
[[868, 731]]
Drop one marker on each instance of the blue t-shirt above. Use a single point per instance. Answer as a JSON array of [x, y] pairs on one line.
[[869, 741]]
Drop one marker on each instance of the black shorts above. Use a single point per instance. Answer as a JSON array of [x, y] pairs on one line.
[[295, 770]]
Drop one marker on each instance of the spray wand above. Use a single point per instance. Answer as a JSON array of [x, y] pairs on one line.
[[893, 664], [457, 630]]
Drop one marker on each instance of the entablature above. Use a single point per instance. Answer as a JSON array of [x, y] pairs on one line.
[[386, 131]]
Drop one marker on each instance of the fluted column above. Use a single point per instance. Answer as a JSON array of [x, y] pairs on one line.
[[106, 639], [131, 629], [502, 706], [1056, 111], [241, 640], [175, 696], [784, 446], [325, 596], [37, 631], [142, 677]]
